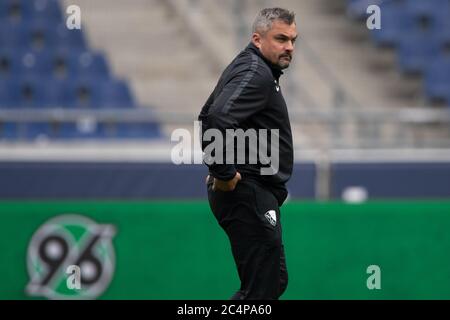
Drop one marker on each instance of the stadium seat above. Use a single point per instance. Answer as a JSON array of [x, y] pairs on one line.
[[357, 9], [55, 93], [35, 130], [9, 94], [394, 24], [27, 92], [430, 8], [61, 58], [82, 129], [9, 131], [130, 130], [431, 18], [87, 64], [13, 35], [400, 19], [437, 80], [73, 39], [35, 92], [115, 94], [34, 63], [444, 38], [10, 10], [30, 9], [416, 51], [82, 93], [35, 34], [3, 10], [8, 63], [38, 9], [39, 34]]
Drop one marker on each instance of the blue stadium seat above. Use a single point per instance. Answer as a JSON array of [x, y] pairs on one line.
[[9, 94], [115, 94], [82, 93], [130, 130], [30, 9], [39, 34], [402, 18], [62, 60], [73, 39], [13, 35], [34, 63], [437, 80], [4, 11], [32, 92], [4, 93], [10, 10], [416, 51], [28, 92], [8, 63], [38, 9], [395, 24], [9, 130], [55, 93], [87, 64], [90, 93], [434, 9], [35, 130], [79, 130], [426, 7], [430, 17], [444, 37], [357, 9]]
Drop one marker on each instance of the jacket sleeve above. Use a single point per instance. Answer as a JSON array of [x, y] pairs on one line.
[[245, 94]]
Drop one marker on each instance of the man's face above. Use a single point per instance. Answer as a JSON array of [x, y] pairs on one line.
[[277, 44]]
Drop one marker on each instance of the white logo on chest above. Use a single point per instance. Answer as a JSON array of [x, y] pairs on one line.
[[277, 87]]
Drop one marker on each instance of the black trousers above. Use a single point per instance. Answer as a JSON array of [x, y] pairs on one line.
[[250, 216]]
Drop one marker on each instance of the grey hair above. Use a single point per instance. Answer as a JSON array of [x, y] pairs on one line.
[[264, 19]]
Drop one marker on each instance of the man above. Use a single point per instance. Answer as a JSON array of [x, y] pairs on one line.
[[244, 201]]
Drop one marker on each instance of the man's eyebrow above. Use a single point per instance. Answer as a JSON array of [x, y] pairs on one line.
[[280, 35]]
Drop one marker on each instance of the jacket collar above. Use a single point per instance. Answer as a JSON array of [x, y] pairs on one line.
[[276, 70]]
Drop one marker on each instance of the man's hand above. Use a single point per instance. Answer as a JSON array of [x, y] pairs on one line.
[[225, 185]]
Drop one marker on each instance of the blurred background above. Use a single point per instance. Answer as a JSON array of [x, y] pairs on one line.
[[86, 176]]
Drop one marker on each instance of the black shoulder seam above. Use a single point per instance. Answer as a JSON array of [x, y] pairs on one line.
[[264, 64], [249, 75]]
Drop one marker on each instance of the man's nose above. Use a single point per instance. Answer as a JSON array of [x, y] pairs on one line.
[[289, 46]]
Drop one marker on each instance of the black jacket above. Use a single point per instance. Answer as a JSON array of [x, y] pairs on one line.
[[248, 96]]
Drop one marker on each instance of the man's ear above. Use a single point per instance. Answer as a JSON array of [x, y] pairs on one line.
[[256, 40]]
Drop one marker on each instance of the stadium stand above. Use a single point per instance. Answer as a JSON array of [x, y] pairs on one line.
[[44, 65], [172, 51], [419, 31]]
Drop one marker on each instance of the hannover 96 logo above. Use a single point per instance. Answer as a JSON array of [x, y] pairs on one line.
[[70, 242]]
